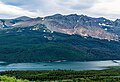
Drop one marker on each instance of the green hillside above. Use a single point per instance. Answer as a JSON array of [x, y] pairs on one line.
[[29, 45]]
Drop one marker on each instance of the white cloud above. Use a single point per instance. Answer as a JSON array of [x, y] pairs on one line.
[[77, 4], [106, 8], [95, 8], [14, 10]]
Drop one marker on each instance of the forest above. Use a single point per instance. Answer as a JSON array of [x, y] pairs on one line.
[[26, 45], [109, 75]]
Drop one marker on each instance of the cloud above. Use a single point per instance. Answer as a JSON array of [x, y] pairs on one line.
[[106, 8], [34, 8], [78, 4], [40, 7], [14, 11]]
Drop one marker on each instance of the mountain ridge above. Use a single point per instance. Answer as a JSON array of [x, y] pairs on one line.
[[82, 25]]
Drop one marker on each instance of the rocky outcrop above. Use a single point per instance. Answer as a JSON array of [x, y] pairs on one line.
[[70, 24]]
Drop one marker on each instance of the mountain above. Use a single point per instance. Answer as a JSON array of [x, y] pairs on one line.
[[23, 18], [37, 43], [59, 37], [71, 24]]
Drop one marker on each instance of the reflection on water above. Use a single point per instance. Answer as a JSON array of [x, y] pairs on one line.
[[90, 65]]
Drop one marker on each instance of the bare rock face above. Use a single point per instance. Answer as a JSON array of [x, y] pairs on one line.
[[81, 25], [95, 32], [70, 24]]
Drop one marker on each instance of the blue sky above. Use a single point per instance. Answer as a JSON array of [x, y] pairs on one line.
[[34, 8]]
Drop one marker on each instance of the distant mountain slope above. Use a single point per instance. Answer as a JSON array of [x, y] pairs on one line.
[[59, 37], [37, 43], [70, 24], [23, 18]]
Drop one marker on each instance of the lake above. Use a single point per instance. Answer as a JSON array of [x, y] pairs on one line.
[[90, 65]]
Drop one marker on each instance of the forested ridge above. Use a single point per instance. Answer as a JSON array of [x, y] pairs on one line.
[[37, 45]]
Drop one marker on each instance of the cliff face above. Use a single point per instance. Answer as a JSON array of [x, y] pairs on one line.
[[71, 24]]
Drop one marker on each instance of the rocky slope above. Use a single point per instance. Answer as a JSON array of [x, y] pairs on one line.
[[70, 24]]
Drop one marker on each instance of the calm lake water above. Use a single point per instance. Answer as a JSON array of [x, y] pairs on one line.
[[90, 65]]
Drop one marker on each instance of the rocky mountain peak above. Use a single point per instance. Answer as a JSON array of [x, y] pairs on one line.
[[23, 18], [83, 25]]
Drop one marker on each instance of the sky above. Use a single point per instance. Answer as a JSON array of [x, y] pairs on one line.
[[40, 8]]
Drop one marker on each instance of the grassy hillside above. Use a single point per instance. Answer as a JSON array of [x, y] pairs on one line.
[[31, 45]]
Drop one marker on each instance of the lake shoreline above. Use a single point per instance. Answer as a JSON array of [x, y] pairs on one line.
[[64, 65], [110, 75]]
